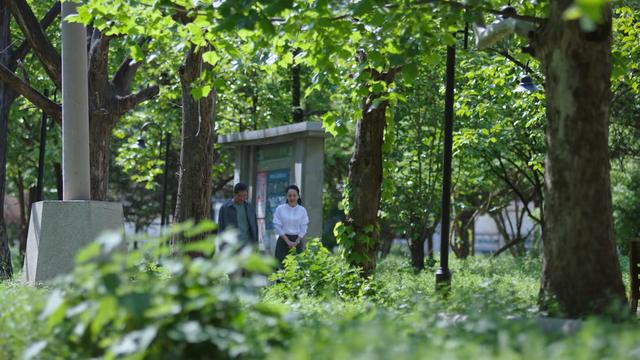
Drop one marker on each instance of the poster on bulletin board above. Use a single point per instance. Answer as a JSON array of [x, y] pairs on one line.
[[277, 182]]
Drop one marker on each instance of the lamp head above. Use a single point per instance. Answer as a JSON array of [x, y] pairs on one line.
[[140, 143], [526, 84], [508, 11]]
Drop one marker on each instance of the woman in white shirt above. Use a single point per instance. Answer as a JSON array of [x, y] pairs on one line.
[[290, 221]]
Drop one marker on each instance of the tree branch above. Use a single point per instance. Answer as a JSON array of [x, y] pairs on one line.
[[508, 246], [52, 109], [98, 58], [221, 184], [41, 46], [520, 195], [524, 67], [123, 77], [126, 103], [47, 20]]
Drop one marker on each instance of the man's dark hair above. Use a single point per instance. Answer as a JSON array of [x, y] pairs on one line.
[[239, 187]]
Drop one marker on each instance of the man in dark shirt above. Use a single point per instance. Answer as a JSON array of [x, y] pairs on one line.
[[239, 214]]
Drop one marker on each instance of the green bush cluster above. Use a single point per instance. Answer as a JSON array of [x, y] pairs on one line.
[[145, 304], [316, 272], [19, 326], [490, 313], [132, 305]]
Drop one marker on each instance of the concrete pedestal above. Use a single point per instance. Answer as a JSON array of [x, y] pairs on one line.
[[59, 229]]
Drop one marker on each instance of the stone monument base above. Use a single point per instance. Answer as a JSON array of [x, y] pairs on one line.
[[59, 229]]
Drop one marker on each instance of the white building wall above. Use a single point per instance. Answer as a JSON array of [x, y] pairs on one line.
[[487, 237]]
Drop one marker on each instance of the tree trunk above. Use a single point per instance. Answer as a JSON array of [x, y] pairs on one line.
[[416, 246], [6, 269], [57, 169], [194, 182], [365, 178], [100, 127], [466, 222], [580, 265], [6, 98], [387, 234], [22, 202]]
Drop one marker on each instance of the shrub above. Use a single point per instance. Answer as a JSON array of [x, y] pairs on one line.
[[316, 272], [122, 305]]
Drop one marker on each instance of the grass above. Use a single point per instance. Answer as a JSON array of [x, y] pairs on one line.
[[489, 313]]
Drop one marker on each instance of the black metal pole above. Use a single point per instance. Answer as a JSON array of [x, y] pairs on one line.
[[443, 275], [165, 175], [43, 144]]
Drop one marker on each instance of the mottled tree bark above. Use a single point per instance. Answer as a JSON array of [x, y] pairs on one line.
[[6, 269], [6, 98], [365, 179], [464, 232], [416, 247], [580, 265], [194, 177]]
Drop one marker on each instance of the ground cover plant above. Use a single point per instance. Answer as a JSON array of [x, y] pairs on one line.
[[132, 306], [491, 312]]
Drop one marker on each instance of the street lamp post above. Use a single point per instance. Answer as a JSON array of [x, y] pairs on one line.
[[165, 176], [443, 275]]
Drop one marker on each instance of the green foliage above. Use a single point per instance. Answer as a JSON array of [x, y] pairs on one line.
[[481, 285], [426, 335], [589, 12], [626, 202], [19, 317], [490, 314], [355, 246], [318, 273], [127, 305], [412, 180]]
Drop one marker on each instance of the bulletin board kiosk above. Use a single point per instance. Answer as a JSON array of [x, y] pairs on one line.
[[271, 159]]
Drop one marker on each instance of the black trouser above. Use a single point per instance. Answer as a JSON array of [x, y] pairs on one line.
[[282, 249]]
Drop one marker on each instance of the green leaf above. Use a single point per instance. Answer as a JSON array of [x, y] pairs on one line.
[[205, 247], [277, 6], [211, 57], [89, 252], [105, 313], [134, 341], [199, 92], [54, 302], [34, 350], [259, 264], [271, 309], [203, 227], [136, 52], [135, 303]]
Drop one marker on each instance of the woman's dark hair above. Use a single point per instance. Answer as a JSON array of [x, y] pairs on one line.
[[294, 187]]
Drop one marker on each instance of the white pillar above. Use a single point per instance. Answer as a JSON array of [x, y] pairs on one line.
[[75, 109]]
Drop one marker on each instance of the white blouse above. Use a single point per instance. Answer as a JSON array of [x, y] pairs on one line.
[[291, 220]]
